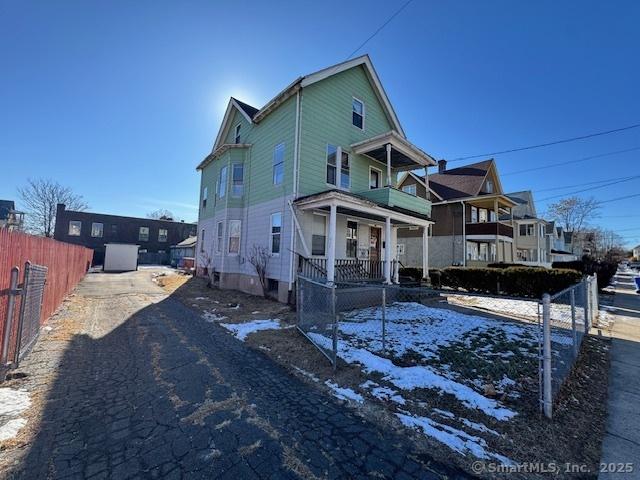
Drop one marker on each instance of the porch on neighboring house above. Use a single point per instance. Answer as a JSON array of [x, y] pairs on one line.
[[347, 237], [488, 237]]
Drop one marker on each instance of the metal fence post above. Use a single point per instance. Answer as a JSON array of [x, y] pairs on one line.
[[384, 319], [587, 317], [23, 304], [574, 330], [335, 327], [595, 311], [8, 324], [546, 355]]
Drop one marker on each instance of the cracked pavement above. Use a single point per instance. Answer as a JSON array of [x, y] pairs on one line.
[[140, 386]]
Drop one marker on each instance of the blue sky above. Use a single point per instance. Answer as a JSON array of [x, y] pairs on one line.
[[121, 100]]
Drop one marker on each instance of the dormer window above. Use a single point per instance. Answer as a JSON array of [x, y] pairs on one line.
[[237, 134], [357, 117], [489, 186]]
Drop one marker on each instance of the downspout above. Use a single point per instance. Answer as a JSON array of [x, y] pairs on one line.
[[296, 161]]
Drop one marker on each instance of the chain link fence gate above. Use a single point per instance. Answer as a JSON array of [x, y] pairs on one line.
[[19, 336]]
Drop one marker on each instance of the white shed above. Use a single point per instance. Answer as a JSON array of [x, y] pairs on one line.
[[120, 257]]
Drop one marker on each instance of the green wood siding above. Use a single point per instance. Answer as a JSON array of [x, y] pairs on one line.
[[326, 119]]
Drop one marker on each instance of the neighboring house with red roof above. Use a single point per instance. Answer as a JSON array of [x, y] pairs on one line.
[[471, 214]]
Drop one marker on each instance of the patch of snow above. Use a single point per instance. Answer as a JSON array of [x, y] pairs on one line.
[[242, 330], [444, 413], [307, 374], [256, 312], [409, 378], [386, 393], [200, 298], [344, 393], [11, 428], [480, 427], [212, 317], [455, 439], [13, 402]]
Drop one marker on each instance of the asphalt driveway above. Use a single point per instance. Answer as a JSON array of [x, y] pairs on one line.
[[144, 388]]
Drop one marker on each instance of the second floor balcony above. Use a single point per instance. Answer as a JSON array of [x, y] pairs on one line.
[[393, 197], [489, 228]]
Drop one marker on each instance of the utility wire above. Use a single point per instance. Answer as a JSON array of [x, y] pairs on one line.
[[547, 144], [397, 12], [619, 198], [588, 189], [581, 184], [583, 159]]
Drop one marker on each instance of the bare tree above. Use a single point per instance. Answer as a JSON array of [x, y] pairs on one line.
[[207, 264], [161, 214], [574, 212], [259, 257], [40, 198]]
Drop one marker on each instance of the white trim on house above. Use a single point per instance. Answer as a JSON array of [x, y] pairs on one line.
[[219, 151], [399, 143], [226, 119], [488, 238], [379, 170]]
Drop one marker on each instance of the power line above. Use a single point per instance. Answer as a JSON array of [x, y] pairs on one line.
[[547, 144], [588, 189], [580, 184], [619, 198], [397, 12], [583, 159]]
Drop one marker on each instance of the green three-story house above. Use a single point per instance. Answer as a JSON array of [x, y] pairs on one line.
[[311, 176]]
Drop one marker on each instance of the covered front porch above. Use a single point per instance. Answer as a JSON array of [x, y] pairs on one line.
[[344, 237]]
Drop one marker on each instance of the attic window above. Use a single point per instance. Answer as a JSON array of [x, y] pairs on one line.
[[489, 186], [357, 117], [237, 134]]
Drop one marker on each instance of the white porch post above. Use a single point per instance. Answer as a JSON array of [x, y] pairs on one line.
[[331, 244], [389, 183], [394, 246], [495, 209], [425, 252], [387, 250]]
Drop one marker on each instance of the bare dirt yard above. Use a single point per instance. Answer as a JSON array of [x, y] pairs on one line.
[[461, 385]]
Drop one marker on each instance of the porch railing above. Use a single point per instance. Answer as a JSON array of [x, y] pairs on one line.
[[351, 269]]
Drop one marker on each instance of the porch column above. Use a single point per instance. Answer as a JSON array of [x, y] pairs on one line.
[[331, 244], [425, 252], [495, 210], [387, 250], [389, 183], [394, 246]]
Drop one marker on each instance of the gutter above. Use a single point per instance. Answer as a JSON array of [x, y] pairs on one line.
[[296, 166]]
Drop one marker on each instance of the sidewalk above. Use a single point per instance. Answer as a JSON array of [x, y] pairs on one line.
[[621, 443]]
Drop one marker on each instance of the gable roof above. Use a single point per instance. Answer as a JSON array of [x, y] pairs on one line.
[[254, 115], [461, 182], [525, 207]]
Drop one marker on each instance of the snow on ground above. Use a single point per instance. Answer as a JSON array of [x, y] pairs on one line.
[[424, 330], [309, 375], [410, 378], [242, 330], [455, 439], [344, 393], [12, 404]]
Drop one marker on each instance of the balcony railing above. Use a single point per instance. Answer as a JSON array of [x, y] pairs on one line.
[[489, 228], [346, 270], [397, 198]]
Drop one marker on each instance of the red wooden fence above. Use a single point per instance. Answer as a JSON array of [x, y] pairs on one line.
[[67, 265]]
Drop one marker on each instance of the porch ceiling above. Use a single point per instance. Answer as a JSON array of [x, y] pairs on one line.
[[404, 155]]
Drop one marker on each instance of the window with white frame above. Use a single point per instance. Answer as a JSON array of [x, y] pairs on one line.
[[205, 195], [219, 236], [163, 233], [319, 235], [202, 240], [489, 186], [474, 214], [345, 171], [75, 227], [236, 135], [357, 113], [97, 229], [410, 189], [332, 162], [352, 239], [374, 178], [237, 180], [235, 227], [527, 230], [482, 215], [483, 252], [222, 182], [278, 164], [143, 234], [276, 232], [493, 252]]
